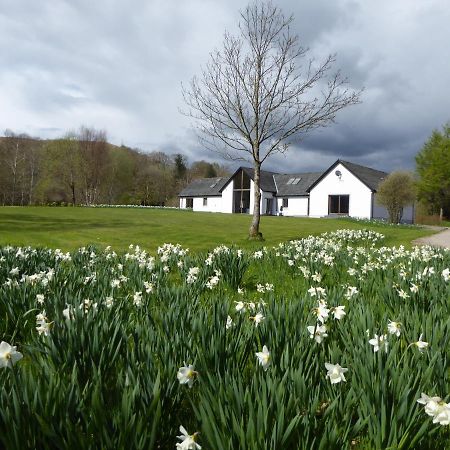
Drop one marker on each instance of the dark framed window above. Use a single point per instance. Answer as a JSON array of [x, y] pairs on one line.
[[285, 202], [205, 201], [189, 203], [338, 204], [241, 193]]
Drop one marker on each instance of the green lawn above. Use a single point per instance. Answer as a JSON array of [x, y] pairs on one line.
[[70, 228]]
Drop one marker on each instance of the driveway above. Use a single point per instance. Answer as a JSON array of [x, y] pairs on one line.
[[441, 239]]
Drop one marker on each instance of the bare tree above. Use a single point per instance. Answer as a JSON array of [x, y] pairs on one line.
[[252, 99], [93, 147]]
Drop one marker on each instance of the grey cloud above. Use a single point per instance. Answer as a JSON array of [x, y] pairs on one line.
[[119, 66]]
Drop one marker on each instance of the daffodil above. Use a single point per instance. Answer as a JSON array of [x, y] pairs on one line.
[[258, 318], [335, 373], [187, 440], [264, 358], [8, 355], [431, 404], [435, 407], [446, 274], [318, 332], [186, 375], [338, 312], [322, 312], [421, 345], [379, 342], [394, 328]]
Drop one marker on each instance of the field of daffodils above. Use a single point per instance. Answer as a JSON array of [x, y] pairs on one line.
[[328, 342]]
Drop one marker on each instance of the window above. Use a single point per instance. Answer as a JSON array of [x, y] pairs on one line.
[[285, 202], [205, 201], [293, 180], [189, 203], [241, 193], [338, 204]]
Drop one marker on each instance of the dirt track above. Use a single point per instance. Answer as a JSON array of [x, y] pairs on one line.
[[441, 239]]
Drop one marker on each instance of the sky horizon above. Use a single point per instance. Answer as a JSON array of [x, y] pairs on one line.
[[67, 64]]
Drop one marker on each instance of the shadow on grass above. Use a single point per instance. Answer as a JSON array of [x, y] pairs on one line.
[[30, 222]]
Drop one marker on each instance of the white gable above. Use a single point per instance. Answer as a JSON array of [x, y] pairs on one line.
[[341, 182]]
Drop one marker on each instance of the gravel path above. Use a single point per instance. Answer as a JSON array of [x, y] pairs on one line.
[[441, 239]]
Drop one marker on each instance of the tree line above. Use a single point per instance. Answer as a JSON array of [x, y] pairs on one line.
[[83, 168]]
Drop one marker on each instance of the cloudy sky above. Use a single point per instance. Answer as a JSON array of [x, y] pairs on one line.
[[118, 65]]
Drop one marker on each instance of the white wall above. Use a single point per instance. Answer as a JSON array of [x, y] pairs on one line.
[[297, 206], [227, 198], [214, 204], [360, 195]]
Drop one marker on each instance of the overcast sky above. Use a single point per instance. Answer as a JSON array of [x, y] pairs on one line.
[[118, 65]]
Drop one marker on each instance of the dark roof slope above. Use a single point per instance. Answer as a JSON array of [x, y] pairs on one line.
[[266, 182], [370, 177], [301, 188], [204, 187]]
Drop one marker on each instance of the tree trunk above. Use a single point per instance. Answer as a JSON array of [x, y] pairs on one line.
[[72, 188], [441, 214], [254, 232]]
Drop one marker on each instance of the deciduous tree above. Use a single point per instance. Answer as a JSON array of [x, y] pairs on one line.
[[395, 193], [433, 169], [253, 97]]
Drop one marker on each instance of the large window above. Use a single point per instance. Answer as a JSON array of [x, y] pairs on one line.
[[338, 204], [205, 201], [285, 202], [241, 193], [189, 203]]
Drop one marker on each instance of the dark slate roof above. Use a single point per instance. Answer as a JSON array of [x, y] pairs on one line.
[[277, 183], [266, 183], [370, 177], [205, 187], [301, 188]]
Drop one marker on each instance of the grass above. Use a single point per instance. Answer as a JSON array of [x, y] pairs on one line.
[[103, 346], [71, 228]]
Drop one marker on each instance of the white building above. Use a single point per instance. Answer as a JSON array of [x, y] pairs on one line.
[[344, 189]]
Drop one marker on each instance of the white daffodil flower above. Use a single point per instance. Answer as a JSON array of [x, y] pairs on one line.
[[258, 318], [322, 312], [186, 375], [442, 416], [421, 345], [8, 355], [68, 312], [229, 323], [40, 298], [394, 328], [335, 373], [338, 312], [318, 332], [240, 306], [187, 440], [351, 291], [446, 274], [379, 342], [264, 358], [431, 404]]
